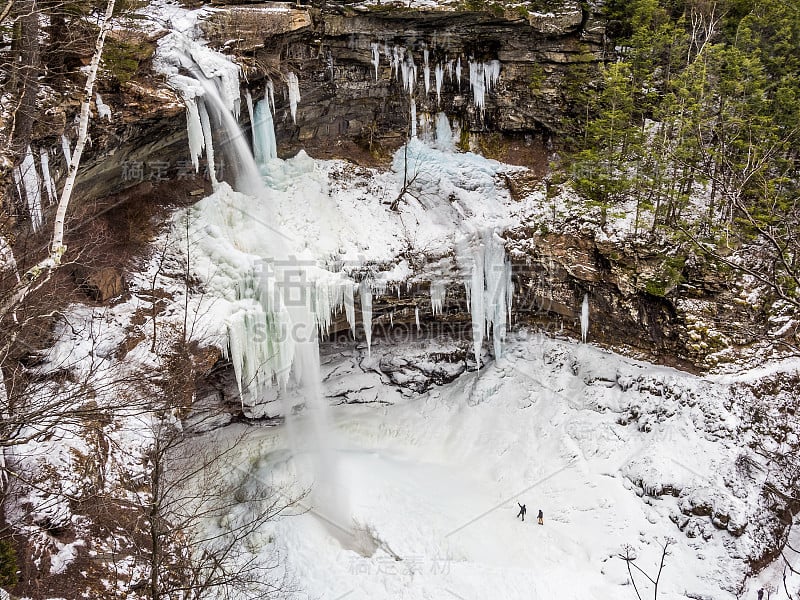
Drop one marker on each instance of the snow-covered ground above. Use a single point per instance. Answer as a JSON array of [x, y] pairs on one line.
[[614, 453]]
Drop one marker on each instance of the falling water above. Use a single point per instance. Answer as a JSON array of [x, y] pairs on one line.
[[266, 299]]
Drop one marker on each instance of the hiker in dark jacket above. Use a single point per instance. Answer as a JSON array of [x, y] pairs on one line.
[[540, 517], [522, 511]]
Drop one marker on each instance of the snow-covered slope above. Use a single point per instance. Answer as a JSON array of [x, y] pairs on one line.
[[614, 453]]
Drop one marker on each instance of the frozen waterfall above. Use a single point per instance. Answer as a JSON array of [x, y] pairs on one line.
[[487, 279], [294, 94], [585, 318], [264, 145]]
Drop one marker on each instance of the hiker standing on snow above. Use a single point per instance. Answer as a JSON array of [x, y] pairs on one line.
[[540, 517], [522, 511]]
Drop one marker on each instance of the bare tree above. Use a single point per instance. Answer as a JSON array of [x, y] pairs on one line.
[[629, 556]]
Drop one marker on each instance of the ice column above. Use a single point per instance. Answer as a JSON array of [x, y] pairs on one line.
[[376, 58], [33, 191], [438, 290], [264, 145], [487, 279], [294, 94], [426, 69], [49, 184], [205, 125], [66, 150], [444, 135], [409, 72], [585, 318], [249, 99], [439, 75], [194, 130], [365, 291], [413, 118]]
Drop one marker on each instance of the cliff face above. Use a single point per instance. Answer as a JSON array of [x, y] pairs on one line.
[[352, 93], [354, 104]]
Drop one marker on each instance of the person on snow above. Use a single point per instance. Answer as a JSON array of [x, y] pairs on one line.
[[540, 517], [522, 511]]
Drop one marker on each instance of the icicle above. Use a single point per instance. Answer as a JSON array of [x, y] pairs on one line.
[[491, 72], [483, 77], [439, 75], [478, 84], [264, 145], [413, 119], [103, 110], [376, 58], [249, 99], [487, 281], [294, 94], [427, 71], [444, 135], [438, 289], [350, 306], [425, 126], [496, 274], [33, 190], [365, 292], [391, 319], [49, 184], [7, 263], [271, 93], [409, 70], [585, 318], [66, 150], [194, 130], [458, 72], [206, 128], [330, 66], [416, 318], [396, 60]]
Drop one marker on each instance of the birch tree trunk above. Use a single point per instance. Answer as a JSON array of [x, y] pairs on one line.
[[57, 247], [37, 275]]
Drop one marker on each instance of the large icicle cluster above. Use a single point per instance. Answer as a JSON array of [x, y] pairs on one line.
[[483, 76], [487, 279]]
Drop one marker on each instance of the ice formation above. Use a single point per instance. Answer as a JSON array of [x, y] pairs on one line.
[[416, 318], [413, 118], [458, 72], [439, 76], [294, 94], [409, 72], [365, 292], [65, 148], [49, 184], [426, 70], [7, 263], [444, 135], [103, 110], [250, 113], [487, 279], [27, 175], [483, 77], [585, 318], [205, 127], [265, 146], [438, 290], [376, 58]]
